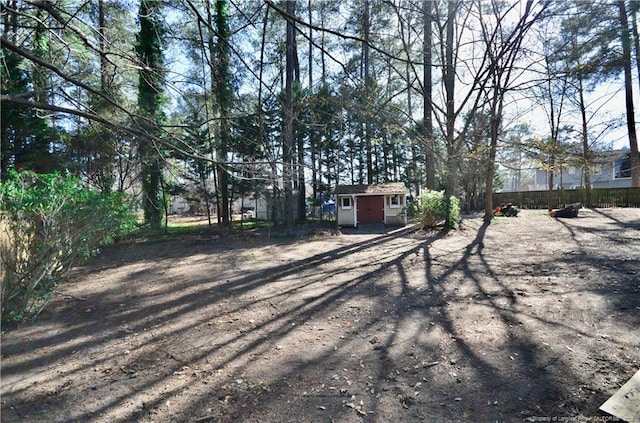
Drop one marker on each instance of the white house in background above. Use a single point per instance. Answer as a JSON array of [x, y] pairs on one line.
[[249, 206], [613, 172], [179, 205], [383, 203], [263, 205]]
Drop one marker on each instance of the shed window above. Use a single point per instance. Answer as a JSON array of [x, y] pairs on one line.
[[395, 201], [345, 202]]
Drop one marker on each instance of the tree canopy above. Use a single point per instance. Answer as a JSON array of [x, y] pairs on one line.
[[234, 98]]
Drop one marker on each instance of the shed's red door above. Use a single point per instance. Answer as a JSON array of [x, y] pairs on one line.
[[371, 209]]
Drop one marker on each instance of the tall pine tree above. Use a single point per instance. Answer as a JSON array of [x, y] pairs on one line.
[[150, 86]]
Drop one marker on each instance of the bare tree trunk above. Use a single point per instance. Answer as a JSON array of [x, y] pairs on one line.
[[636, 36], [313, 139], [494, 129], [550, 185], [586, 151], [367, 85], [101, 45], [300, 165], [502, 58], [554, 117], [208, 146], [287, 146], [221, 84], [429, 146], [302, 189], [450, 117], [270, 199], [631, 124]]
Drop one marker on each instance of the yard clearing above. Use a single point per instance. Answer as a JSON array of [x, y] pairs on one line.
[[527, 319]]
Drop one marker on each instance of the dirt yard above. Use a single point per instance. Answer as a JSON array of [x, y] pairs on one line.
[[529, 319]]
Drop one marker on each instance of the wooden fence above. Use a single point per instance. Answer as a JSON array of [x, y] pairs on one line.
[[600, 198]]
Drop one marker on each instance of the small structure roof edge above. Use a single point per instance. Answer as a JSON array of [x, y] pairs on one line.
[[376, 189]]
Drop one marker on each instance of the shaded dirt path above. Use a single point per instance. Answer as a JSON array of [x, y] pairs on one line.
[[530, 317]]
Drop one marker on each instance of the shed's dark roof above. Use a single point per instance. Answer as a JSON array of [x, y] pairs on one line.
[[390, 188]]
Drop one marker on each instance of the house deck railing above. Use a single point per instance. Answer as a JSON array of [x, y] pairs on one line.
[[600, 198]]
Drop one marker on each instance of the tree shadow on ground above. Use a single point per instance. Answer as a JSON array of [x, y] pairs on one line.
[[399, 326]]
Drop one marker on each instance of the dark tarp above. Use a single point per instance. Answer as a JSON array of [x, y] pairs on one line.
[[569, 211]]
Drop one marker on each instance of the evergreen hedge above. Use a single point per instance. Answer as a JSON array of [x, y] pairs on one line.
[[47, 223]]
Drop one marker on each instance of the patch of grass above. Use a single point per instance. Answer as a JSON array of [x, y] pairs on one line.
[[190, 224], [172, 231], [250, 224], [179, 227]]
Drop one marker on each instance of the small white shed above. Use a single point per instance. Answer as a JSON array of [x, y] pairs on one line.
[[382, 203]]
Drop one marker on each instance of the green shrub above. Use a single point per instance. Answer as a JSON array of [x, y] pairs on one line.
[[47, 223], [431, 208]]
